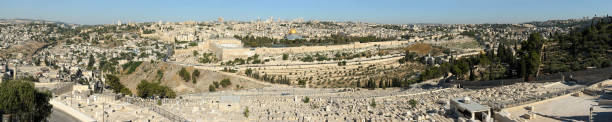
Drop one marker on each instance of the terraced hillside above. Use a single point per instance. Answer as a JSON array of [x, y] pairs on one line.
[[167, 74]]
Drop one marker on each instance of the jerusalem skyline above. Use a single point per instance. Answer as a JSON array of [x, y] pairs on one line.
[[383, 12]]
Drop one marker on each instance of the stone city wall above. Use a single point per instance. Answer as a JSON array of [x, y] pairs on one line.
[[307, 49], [231, 54]]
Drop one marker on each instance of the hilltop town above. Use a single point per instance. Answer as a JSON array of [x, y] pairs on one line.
[[309, 70]]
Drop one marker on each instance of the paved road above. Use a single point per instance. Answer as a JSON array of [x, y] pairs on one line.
[[61, 116]]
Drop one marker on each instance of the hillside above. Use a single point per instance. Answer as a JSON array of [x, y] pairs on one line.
[[169, 72], [583, 48]]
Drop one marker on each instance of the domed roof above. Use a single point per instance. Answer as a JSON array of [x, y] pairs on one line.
[[292, 31]]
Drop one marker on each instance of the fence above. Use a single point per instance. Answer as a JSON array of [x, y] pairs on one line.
[[147, 104]]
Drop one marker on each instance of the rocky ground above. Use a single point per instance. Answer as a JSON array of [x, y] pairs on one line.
[[341, 104]]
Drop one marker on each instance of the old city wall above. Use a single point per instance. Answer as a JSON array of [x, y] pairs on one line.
[[307, 49]]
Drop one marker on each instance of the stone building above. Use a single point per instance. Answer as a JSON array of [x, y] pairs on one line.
[[229, 49], [465, 108]]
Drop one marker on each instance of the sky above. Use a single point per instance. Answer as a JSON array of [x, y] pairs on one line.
[[373, 11]]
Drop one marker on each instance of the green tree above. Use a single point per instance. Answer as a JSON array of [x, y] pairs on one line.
[[412, 103], [530, 57], [194, 76], [216, 84], [131, 66], [308, 58], [91, 62], [23, 101], [285, 56], [226, 82], [113, 82], [195, 53], [184, 74], [381, 84], [371, 84], [306, 99], [211, 88], [472, 75], [373, 103], [248, 71], [533, 63], [302, 82], [149, 90]]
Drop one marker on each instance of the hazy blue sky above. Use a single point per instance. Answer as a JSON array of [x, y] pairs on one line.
[[377, 11]]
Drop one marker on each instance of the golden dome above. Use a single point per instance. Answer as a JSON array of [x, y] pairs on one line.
[[292, 31]]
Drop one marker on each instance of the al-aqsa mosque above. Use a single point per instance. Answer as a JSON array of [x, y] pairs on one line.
[[292, 35]]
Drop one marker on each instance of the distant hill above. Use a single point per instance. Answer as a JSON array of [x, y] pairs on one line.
[[565, 23], [588, 46], [26, 21]]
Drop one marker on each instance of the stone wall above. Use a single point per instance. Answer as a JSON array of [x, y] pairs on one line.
[[586, 77], [225, 54], [307, 49], [503, 116]]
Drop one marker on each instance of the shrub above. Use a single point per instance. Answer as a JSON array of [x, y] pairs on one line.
[[149, 90], [184, 74], [373, 103], [216, 84], [125, 91], [211, 88], [229, 70], [306, 99], [194, 76], [248, 71], [302, 82], [342, 63], [114, 83], [285, 56], [308, 58], [413, 103], [131, 66], [193, 44], [226, 82], [160, 75], [246, 112]]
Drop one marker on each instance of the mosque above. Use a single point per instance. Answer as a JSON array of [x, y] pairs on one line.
[[292, 35]]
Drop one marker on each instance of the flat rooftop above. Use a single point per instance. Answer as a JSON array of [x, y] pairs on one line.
[[470, 106]]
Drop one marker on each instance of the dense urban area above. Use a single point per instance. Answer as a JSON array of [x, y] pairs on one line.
[[306, 70]]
